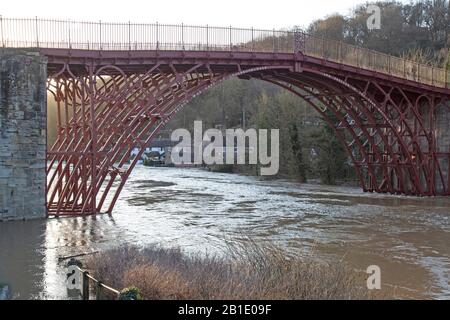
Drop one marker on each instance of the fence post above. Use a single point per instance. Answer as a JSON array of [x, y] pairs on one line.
[[100, 25], [432, 76], [404, 68], [129, 35], [390, 65], [98, 291], [253, 41], [323, 48], [273, 42], [418, 72], [299, 41], [1, 27], [207, 38], [70, 35], [357, 56], [85, 292], [157, 35], [69, 42], [231, 42], [446, 80], [37, 32], [182, 35]]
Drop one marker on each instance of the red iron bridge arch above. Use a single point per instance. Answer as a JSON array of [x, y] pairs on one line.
[[117, 84]]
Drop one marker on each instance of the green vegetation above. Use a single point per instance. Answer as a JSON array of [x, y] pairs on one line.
[[422, 26], [247, 271], [331, 165], [130, 293], [419, 30]]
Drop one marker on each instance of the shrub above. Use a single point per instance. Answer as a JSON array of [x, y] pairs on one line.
[[130, 293], [246, 271]]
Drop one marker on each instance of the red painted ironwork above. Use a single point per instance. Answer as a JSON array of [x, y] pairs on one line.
[[114, 96], [110, 103]]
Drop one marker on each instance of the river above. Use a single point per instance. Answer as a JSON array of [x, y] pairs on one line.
[[409, 238]]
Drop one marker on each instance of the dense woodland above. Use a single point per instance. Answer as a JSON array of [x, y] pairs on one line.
[[419, 30], [308, 148]]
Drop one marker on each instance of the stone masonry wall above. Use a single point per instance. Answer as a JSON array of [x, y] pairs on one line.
[[23, 106]]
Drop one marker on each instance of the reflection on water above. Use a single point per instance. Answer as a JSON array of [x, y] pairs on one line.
[[407, 237]]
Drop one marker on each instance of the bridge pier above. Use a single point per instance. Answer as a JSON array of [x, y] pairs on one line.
[[23, 106]]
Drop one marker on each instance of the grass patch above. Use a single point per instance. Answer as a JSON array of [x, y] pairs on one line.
[[246, 271]]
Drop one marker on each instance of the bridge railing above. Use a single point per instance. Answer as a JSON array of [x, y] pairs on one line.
[[341, 52], [19, 32]]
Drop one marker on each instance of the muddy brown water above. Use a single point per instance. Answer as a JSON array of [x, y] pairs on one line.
[[409, 238]]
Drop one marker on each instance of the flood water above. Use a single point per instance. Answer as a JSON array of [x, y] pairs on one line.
[[409, 238]]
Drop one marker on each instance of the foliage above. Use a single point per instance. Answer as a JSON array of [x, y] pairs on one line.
[[332, 157], [246, 271], [130, 293], [422, 25], [286, 112]]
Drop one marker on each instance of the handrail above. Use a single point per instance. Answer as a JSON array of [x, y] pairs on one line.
[[85, 292], [68, 34]]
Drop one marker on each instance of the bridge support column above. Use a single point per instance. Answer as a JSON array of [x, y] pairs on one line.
[[442, 137], [23, 105]]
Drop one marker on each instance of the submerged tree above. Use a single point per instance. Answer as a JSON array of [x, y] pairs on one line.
[[297, 151], [331, 155]]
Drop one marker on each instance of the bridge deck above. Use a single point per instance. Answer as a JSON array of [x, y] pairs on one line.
[[137, 61]]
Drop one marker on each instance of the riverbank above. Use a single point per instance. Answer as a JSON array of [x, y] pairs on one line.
[[246, 271]]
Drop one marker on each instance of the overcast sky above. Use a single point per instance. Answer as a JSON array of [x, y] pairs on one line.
[[239, 13]]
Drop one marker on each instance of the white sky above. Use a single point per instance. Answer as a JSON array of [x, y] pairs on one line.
[[265, 14]]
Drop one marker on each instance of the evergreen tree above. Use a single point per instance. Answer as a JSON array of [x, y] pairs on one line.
[[297, 150]]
